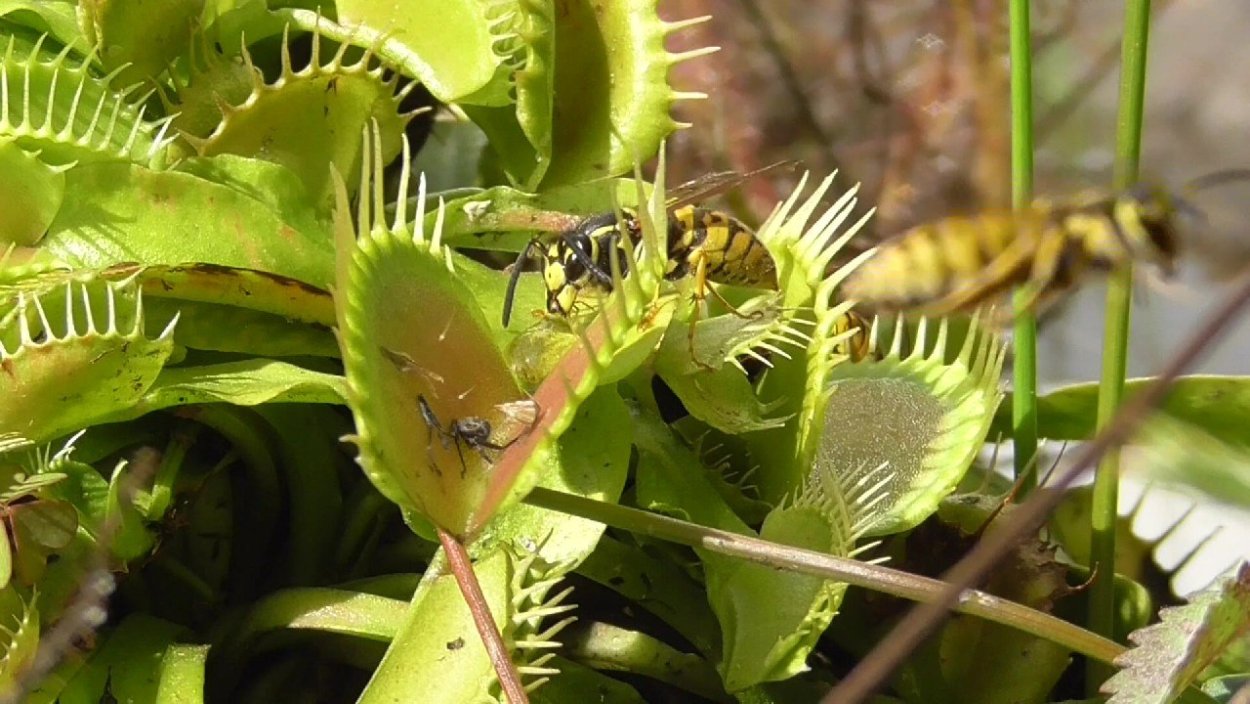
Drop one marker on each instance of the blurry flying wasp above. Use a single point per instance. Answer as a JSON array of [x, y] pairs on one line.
[[958, 263], [707, 244]]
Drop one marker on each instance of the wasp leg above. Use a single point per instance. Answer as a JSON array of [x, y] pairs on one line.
[[1048, 266], [703, 287], [994, 279], [700, 306]]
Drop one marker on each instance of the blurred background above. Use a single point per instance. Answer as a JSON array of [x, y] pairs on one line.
[[910, 98]]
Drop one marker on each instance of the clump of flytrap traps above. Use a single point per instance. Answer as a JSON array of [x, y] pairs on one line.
[[176, 376]]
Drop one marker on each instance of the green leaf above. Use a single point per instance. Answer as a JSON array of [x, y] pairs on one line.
[[218, 328], [308, 119], [802, 240], [327, 610], [132, 538], [6, 559], [57, 19], [611, 88], [136, 37], [1218, 404], [448, 45], [33, 194], [521, 134], [54, 104], [37, 530], [435, 650], [574, 681], [85, 489], [1169, 655], [723, 397], [127, 213], [635, 574], [124, 664], [771, 618], [591, 460], [308, 446], [19, 641], [608, 647], [270, 183]]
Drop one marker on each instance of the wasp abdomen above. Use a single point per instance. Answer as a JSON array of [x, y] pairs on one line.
[[730, 251]]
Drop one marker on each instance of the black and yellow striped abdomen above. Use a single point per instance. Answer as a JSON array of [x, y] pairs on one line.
[[933, 261], [730, 251], [957, 263]]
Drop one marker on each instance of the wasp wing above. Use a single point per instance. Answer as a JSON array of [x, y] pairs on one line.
[[713, 184]]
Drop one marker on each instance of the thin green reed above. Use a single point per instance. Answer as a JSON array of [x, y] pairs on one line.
[[1024, 339], [1115, 336]]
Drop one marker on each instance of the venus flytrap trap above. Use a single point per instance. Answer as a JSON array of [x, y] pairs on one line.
[[922, 419], [406, 387], [81, 370], [19, 637], [341, 91], [54, 103]]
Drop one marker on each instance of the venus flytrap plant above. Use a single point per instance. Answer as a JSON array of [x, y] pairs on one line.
[[617, 339], [34, 191]]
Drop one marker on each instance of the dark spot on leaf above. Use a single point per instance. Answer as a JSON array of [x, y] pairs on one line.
[[456, 644], [616, 581]]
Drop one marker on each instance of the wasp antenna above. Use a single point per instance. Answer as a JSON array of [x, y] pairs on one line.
[[1216, 178], [515, 278]]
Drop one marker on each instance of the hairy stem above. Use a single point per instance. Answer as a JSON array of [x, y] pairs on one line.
[[881, 579]]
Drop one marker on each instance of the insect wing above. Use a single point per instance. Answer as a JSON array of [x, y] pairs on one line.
[[713, 184]]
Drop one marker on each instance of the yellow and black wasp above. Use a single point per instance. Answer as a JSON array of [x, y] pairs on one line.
[[704, 243], [958, 263]]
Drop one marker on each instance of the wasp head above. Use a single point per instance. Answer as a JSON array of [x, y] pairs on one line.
[[1146, 215]]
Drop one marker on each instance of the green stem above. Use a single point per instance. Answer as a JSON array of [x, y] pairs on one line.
[[1115, 337], [880, 579], [604, 646], [1024, 366]]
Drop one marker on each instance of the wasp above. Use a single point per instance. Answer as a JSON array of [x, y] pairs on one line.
[[958, 263], [706, 244]]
